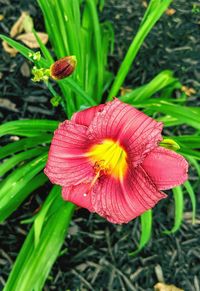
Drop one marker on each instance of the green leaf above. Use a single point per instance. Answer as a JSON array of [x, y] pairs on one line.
[[10, 192], [24, 144], [147, 24], [52, 26], [169, 121], [13, 204], [194, 163], [101, 5], [179, 205], [146, 230], [77, 89], [34, 263], [190, 153], [98, 44], [188, 141], [108, 36], [28, 127], [163, 79], [44, 49], [184, 114], [192, 198], [21, 157], [23, 50], [41, 216], [23, 256]]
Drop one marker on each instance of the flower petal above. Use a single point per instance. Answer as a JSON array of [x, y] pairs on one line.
[[121, 201], [77, 195], [135, 131], [85, 117], [67, 164], [166, 168], [140, 191], [109, 202]]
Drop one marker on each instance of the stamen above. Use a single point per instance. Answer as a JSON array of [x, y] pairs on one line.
[[92, 183], [114, 159], [100, 170], [101, 167]]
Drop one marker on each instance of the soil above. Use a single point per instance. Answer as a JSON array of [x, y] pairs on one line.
[[95, 253]]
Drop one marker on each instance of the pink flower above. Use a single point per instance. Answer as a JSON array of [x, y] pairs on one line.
[[107, 159]]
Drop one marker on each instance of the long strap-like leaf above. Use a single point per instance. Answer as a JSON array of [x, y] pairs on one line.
[[152, 16], [179, 205], [34, 262], [146, 229], [192, 198], [28, 127]]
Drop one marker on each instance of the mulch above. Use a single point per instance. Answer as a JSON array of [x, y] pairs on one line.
[[95, 254]]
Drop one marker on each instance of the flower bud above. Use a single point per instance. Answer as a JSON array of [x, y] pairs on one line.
[[63, 68], [35, 56], [55, 101], [40, 74], [169, 144]]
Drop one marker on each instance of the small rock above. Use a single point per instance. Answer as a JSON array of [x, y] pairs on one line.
[[170, 11], [7, 104], [25, 70], [165, 287]]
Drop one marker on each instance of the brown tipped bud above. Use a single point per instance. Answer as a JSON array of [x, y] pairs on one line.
[[63, 68]]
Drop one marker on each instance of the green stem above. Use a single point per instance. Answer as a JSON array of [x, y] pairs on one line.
[[78, 90]]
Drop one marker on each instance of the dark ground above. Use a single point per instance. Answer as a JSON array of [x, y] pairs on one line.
[[98, 251]]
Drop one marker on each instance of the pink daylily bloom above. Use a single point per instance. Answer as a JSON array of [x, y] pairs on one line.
[[107, 159]]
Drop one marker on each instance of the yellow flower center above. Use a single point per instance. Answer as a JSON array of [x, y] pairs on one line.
[[108, 158]]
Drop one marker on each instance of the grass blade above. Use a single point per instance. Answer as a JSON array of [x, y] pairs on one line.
[[28, 127], [13, 204], [43, 49], [21, 157], [24, 144], [169, 120], [98, 49], [41, 216], [190, 153], [34, 263], [78, 90], [146, 230], [24, 255], [179, 205], [190, 191], [188, 141], [10, 192], [163, 79], [194, 163], [23, 50], [184, 114], [146, 26]]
